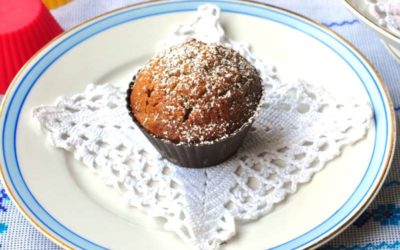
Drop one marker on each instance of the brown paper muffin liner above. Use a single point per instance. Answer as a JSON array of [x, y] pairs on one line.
[[189, 155]]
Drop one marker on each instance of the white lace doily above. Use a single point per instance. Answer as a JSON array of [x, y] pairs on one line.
[[299, 129], [387, 13]]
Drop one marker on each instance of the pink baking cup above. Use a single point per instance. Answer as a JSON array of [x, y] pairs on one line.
[[25, 26]]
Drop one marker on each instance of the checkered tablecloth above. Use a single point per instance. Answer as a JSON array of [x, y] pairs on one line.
[[377, 228]]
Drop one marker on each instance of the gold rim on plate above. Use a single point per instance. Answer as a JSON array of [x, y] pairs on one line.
[[392, 37], [385, 32], [392, 125]]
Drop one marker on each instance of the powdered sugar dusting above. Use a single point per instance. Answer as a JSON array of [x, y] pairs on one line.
[[195, 92]]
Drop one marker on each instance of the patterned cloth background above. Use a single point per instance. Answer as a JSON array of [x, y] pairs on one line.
[[379, 225]]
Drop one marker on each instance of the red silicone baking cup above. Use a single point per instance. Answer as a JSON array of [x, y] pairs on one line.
[[25, 26]]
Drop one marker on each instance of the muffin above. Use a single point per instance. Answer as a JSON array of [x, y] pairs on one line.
[[195, 102]]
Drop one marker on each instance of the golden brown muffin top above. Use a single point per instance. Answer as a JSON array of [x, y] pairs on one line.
[[195, 92]]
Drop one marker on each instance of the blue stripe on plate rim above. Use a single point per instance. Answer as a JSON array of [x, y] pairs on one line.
[[57, 231]]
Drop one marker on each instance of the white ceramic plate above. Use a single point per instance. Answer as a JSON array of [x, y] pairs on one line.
[[360, 9], [71, 206]]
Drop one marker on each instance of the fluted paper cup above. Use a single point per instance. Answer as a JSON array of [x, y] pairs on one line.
[[191, 155]]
